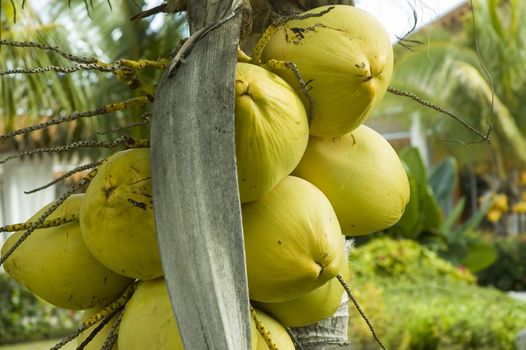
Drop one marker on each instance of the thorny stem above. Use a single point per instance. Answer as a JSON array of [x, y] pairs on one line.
[[439, 109], [116, 305], [69, 338], [46, 224], [45, 47], [66, 70], [47, 213], [123, 140], [146, 120], [351, 296], [66, 175], [96, 330], [108, 310], [111, 339], [143, 63], [262, 330], [109, 108]]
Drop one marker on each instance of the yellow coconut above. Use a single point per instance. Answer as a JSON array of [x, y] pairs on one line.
[[55, 264], [271, 130], [148, 321], [277, 334], [346, 57], [293, 241], [98, 341], [117, 216], [361, 175], [312, 307]]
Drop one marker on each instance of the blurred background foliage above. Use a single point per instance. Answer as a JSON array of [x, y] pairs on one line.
[[25, 317], [96, 30], [477, 70], [416, 300]]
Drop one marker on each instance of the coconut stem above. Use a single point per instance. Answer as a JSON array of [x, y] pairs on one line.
[[66, 175], [109, 310], [146, 117], [30, 44], [59, 69], [437, 108], [262, 330], [355, 302], [111, 339], [286, 65], [46, 224], [123, 140], [109, 108], [96, 330]]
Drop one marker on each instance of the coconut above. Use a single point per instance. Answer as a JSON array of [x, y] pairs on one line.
[[345, 56], [271, 130], [361, 175], [148, 321], [116, 218], [312, 307], [293, 241], [55, 264]]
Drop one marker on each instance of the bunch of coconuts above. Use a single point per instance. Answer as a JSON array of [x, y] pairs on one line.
[[309, 174]]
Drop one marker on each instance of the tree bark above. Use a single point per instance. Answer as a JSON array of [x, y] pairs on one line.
[[196, 199]]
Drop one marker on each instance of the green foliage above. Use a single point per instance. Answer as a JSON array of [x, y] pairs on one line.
[[443, 180], [509, 270], [478, 73], [24, 317], [424, 219], [424, 214], [402, 259], [415, 300]]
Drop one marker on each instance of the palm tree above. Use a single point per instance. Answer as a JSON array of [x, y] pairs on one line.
[[480, 74], [100, 31]]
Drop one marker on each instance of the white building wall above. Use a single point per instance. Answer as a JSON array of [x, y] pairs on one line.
[[19, 176]]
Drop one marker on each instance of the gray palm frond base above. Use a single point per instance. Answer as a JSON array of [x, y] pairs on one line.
[[330, 333]]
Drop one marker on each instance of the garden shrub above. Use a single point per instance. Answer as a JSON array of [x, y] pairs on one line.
[[415, 300], [508, 272], [25, 317]]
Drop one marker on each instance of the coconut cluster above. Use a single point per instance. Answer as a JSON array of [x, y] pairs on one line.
[[309, 174]]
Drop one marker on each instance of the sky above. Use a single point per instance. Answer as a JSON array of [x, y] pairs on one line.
[[397, 15]]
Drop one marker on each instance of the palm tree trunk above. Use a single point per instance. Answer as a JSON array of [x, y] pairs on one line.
[[197, 207]]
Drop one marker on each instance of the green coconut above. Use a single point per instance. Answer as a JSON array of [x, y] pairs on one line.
[[361, 175], [148, 321], [271, 130], [116, 218], [346, 57], [312, 307], [55, 264], [293, 241]]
